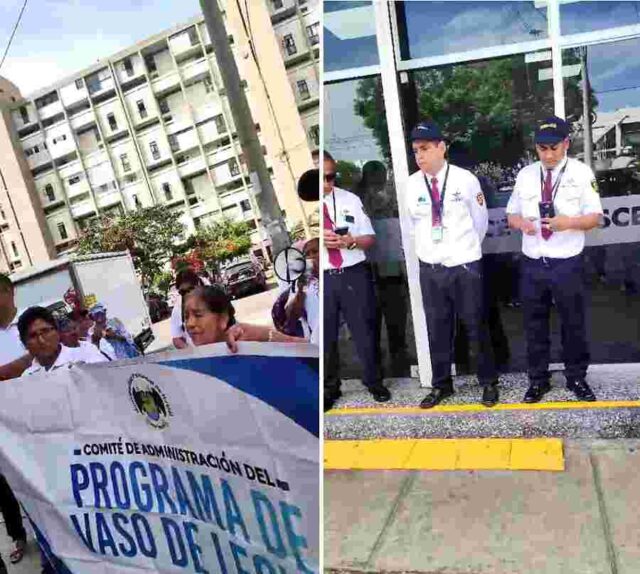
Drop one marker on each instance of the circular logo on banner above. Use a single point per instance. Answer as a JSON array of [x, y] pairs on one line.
[[149, 401]]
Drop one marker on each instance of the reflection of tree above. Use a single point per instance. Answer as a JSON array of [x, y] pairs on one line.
[[348, 174], [487, 108]]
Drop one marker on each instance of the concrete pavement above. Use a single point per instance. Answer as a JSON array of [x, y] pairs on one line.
[[581, 520]]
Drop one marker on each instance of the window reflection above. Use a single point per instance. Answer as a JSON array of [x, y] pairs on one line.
[[435, 28], [349, 35], [356, 135], [577, 17]]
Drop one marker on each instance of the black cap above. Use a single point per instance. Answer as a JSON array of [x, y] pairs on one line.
[[552, 130], [426, 131]]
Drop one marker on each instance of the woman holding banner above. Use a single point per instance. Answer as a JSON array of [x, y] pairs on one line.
[[209, 317]]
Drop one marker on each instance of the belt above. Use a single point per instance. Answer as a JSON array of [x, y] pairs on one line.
[[342, 270], [548, 261]]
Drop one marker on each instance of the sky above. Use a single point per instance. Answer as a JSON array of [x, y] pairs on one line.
[[57, 38]]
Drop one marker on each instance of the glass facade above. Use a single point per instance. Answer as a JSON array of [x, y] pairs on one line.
[[488, 107]]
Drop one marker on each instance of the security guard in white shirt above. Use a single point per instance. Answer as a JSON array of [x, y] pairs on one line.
[[554, 202], [348, 286], [449, 219]]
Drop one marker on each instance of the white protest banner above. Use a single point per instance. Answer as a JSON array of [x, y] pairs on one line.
[[620, 224], [202, 462]]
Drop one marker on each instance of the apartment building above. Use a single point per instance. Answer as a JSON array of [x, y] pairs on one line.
[[151, 125]]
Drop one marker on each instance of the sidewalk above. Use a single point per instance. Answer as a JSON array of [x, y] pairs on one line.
[[581, 520], [30, 564]]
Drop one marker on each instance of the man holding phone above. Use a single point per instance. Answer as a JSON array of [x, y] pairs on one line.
[[348, 286], [554, 201]]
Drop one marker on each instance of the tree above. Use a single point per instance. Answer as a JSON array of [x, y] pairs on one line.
[[221, 241], [348, 174], [152, 235], [313, 221]]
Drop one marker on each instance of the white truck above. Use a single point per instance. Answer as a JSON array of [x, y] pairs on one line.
[[108, 278]]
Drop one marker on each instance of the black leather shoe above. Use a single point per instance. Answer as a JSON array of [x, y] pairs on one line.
[[581, 390], [380, 393], [330, 400], [490, 395], [536, 391], [434, 397]]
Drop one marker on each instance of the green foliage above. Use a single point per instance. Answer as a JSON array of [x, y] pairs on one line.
[[162, 282], [221, 241], [348, 174], [152, 236]]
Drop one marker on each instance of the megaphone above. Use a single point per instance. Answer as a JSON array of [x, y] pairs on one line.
[[289, 264], [309, 185]]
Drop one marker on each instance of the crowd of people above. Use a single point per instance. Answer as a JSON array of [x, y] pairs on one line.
[[37, 341]]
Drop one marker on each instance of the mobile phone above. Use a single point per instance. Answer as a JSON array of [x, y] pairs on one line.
[[547, 210], [341, 230]]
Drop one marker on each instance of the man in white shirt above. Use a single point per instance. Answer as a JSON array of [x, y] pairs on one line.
[[449, 221], [348, 286], [554, 201], [40, 335]]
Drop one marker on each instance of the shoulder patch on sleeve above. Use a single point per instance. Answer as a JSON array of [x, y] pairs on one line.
[[480, 198]]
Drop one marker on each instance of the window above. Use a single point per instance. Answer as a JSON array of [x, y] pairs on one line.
[[48, 189], [220, 127], [151, 64], [277, 4], [173, 142], [289, 44], [208, 85], [74, 179], [312, 33], [113, 124], [79, 83], [142, 109], [155, 152], [14, 248], [128, 67], [24, 114], [61, 138], [3, 214], [136, 201], [314, 134], [234, 168], [245, 205], [193, 36], [164, 106], [167, 191], [124, 159], [303, 89], [62, 230]]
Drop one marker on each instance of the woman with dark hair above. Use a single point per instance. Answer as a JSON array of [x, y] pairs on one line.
[[209, 317], [186, 281], [40, 335]]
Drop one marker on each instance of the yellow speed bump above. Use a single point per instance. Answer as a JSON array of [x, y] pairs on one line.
[[445, 454]]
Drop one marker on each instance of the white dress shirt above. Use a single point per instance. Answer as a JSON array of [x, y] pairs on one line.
[[67, 357], [464, 217], [11, 348], [576, 195], [348, 213]]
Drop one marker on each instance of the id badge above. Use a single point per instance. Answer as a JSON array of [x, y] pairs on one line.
[[437, 234]]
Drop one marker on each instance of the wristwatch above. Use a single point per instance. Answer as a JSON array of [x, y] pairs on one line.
[[354, 244]]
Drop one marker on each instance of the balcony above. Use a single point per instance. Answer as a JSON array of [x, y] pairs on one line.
[[83, 120], [82, 208], [192, 166], [50, 110], [109, 198], [221, 155], [39, 159], [204, 208], [195, 71], [207, 111], [179, 120], [130, 178], [166, 83], [77, 189]]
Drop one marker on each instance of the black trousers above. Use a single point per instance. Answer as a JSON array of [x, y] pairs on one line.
[[393, 308], [447, 292], [10, 509], [562, 280], [349, 291]]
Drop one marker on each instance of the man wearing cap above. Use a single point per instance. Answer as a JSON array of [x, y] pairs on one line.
[[449, 221], [348, 286], [554, 201]]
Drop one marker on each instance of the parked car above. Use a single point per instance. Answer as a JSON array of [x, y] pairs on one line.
[[244, 277]]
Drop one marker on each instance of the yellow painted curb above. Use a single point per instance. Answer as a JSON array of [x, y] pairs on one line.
[[445, 454], [572, 405]]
